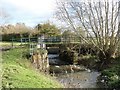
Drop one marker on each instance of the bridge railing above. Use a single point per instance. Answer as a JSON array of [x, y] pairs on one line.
[[48, 40], [61, 39]]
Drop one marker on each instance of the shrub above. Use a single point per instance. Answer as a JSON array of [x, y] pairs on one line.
[[69, 56], [112, 74], [88, 60]]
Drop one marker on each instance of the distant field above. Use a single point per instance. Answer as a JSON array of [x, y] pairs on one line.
[[18, 43], [10, 43]]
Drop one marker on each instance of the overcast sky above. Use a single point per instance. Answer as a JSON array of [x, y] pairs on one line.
[[29, 12]]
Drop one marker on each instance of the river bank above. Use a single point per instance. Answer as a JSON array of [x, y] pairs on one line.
[[18, 72]]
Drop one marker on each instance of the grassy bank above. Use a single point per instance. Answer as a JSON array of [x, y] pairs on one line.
[[19, 73]]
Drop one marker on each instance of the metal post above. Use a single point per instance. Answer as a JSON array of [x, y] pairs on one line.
[[12, 42], [21, 40]]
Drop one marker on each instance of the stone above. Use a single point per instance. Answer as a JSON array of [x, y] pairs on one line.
[[40, 60]]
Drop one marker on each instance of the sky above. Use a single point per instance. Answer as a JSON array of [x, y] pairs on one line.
[[30, 12]]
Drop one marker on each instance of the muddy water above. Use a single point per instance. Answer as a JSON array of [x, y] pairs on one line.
[[81, 79]]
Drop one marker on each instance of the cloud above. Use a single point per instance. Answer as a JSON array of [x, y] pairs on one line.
[[34, 6]]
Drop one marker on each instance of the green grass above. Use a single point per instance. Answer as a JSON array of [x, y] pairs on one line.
[[19, 73], [9, 43]]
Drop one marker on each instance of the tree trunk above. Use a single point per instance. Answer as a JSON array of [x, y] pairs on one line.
[[106, 57]]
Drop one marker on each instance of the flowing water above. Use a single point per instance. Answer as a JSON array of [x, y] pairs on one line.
[[81, 79]]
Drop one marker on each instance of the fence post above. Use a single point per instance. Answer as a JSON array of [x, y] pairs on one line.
[[12, 43], [21, 40]]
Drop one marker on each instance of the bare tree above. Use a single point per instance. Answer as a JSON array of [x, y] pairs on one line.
[[98, 19]]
